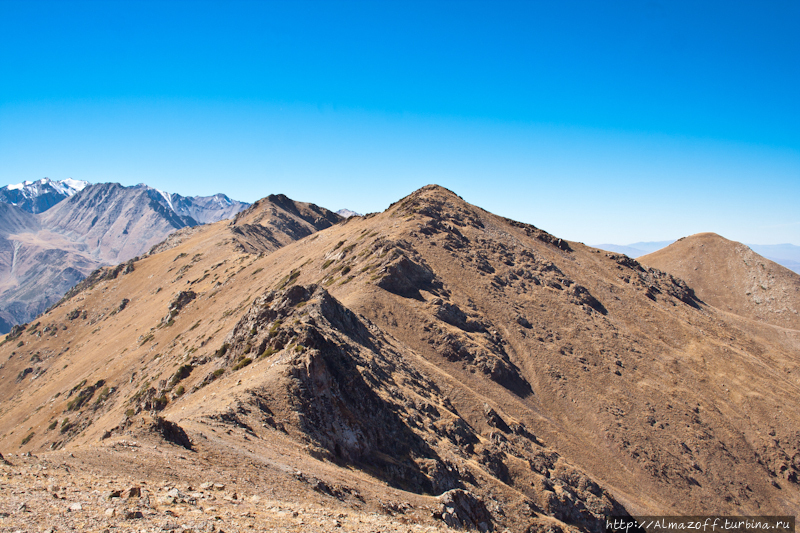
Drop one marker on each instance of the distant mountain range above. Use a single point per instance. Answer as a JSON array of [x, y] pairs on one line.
[[786, 255], [54, 233]]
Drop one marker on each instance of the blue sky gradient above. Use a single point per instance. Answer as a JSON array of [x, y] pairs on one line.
[[597, 121]]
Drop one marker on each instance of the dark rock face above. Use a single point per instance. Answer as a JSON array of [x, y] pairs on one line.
[[171, 432], [583, 296], [180, 301], [337, 370], [460, 509], [405, 278], [454, 316]]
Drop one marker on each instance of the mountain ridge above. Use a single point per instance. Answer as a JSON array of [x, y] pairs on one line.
[[538, 382]]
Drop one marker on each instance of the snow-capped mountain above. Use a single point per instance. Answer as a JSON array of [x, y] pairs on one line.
[[346, 213], [41, 195]]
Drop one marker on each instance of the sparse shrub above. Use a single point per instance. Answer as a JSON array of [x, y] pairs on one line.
[[27, 439], [218, 372], [288, 279], [160, 402], [268, 351], [326, 264], [223, 350], [179, 391], [274, 328], [103, 396], [52, 425], [242, 363], [179, 375]]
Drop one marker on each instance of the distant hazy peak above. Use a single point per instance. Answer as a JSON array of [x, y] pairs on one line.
[[346, 213]]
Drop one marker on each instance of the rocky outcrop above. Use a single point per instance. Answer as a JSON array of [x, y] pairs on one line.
[[460, 509]]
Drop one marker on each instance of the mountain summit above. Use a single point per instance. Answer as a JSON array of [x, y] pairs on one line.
[[433, 365], [41, 195], [732, 277]]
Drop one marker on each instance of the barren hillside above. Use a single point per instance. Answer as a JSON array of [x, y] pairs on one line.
[[434, 364], [732, 277]]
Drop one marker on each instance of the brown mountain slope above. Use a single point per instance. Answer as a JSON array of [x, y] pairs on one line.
[[433, 362], [277, 220], [732, 277]]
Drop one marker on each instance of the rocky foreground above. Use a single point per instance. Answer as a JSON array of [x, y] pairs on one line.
[[161, 488]]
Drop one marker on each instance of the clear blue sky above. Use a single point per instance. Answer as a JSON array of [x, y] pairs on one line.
[[597, 121]]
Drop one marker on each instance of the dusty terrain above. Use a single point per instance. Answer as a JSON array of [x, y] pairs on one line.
[[430, 365]]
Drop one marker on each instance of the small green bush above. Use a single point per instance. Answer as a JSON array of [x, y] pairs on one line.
[[268, 351], [179, 375], [274, 328], [223, 350], [242, 363]]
